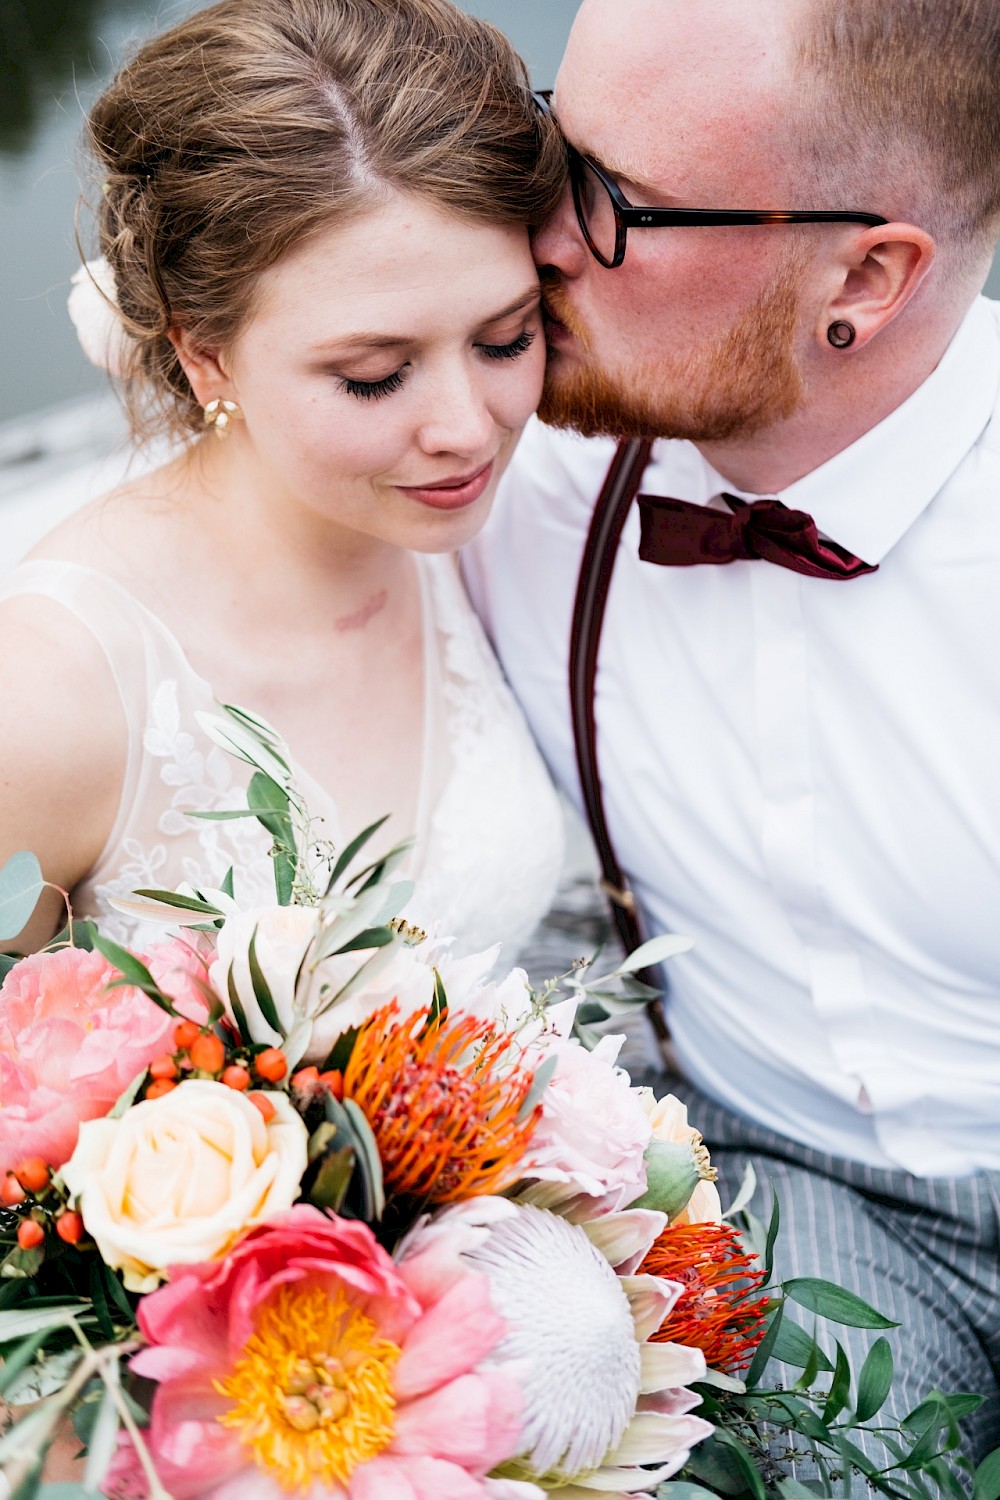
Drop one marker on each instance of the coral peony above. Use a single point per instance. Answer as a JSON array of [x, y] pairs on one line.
[[307, 1362], [69, 1045]]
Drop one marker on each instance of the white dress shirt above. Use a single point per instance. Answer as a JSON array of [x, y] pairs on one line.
[[803, 775]]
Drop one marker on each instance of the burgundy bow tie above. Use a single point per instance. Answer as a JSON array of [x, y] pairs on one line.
[[677, 533]]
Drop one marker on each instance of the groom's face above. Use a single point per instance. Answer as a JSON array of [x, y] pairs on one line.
[[695, 334]]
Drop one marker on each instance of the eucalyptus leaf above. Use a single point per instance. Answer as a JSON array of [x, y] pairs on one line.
[[834, 1303], [681, 1489], [656, 951], [772, 1234], [765, 1348], [539, 1083], [21, 884], [104, 1438], [8, 961], [127, 1097], [237, 739], [18, 1323], [133, 971], [348, 853], [743, 1460], [397, 897], [261, 988], [368, 1156], [364, 974], [329, 1188], [18, 1360], [745, 1192], [181, 902]]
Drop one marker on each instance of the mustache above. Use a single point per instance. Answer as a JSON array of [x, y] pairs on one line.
[[558, 307]]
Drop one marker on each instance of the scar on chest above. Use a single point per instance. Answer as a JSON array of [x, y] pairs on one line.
[[360, 618]]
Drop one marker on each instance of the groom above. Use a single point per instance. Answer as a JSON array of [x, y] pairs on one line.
[[798, 718]]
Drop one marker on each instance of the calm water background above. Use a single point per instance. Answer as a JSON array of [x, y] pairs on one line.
[[54, 57]]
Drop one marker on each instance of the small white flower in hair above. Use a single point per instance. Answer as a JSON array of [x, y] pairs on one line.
[[92, 306]]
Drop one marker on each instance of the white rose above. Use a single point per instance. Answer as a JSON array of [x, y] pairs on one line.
[[92, 304], [284, 934], [181, 1178]]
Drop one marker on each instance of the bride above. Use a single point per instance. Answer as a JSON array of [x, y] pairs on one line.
[[315, 214]]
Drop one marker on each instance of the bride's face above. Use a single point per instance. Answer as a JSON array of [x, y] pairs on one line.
[[387, 371]]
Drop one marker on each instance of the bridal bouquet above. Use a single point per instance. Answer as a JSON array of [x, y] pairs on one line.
[[297, 1202]]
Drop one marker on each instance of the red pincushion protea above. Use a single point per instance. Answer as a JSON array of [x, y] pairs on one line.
[[717, 1312], [445, 1103]]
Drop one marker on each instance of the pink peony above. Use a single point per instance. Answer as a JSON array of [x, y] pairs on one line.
[[69, 1045], [593, 1133], [307, 1361]]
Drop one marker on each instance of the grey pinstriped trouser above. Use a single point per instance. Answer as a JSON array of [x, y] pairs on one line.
[[924, 1251]]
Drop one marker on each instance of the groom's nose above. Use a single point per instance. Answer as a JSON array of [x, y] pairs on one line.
[[558, 242]]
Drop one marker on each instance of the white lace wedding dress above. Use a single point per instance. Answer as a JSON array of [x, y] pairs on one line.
[[489, 830]]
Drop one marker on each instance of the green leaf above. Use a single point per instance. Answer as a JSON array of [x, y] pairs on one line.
[[853, 1455], [354, 847], [795, 1347], [986, 1484], [840, 1387], [744, 1463], [329, 1188], [745, 1192], [794, 1489], [18, 1323], [439, 1005], [49, 1374], [21, 884], [226, 885], [133, 972], [372, 937], [874, 1381], [812, 1366], [765, 1348], [262, 990], [539, 1083], [20, 1358], [656, 951], [236, 1006], [772, 1233], [8, 961], [681, 1489], [340, 1053], [103, 1439], [938, 1410], [127, 1097], [717, 1467], [182, 903], [834, 1303], [99, 1297], [368, 1158], [118, 1295]]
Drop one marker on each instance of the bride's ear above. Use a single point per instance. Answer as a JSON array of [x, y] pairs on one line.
[[205, 374]]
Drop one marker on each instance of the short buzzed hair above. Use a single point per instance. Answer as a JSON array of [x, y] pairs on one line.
[[909, 96]]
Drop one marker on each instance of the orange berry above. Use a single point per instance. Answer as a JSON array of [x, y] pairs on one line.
[[163, 1067], [271, 1064], [30, 1235], [11, 1191], [32, 1174], [207, 1053], [186, 1033], [159, 1087], [264, 1104], [236, 1077], [305, 1080], [69, 1227], [334, 1081]]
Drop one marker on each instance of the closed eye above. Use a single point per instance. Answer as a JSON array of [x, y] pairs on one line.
[[373, 390], [517, 346]]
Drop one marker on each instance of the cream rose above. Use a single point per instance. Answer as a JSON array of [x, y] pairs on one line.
[[181, 1178]]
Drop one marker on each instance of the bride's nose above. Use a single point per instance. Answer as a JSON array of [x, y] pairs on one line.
[[458, 418]]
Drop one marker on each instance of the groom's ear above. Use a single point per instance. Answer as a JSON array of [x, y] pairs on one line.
[[205, 372], [873, 275]]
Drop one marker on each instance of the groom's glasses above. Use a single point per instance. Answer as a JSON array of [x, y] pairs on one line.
[[605, 215]]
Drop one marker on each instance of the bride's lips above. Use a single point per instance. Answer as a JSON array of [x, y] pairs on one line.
[[453, 493]]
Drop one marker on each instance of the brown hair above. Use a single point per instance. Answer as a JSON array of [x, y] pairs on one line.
[[255, 123], [908, 106]]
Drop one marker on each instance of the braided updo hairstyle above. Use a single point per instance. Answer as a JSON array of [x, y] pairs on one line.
[[255, 123]]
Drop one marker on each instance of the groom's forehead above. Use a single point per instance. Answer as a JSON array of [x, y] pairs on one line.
[[657, 88]]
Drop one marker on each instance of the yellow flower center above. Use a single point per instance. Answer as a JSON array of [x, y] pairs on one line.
[[312, 1392]]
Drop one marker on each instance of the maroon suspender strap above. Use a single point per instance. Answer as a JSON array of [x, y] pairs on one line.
[[620, 488]]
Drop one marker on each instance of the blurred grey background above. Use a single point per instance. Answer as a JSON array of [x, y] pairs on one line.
[[54, 57]]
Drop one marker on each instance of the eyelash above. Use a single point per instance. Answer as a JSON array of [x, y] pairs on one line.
[[377, 390]]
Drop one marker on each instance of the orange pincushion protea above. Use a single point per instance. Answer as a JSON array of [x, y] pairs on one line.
[[717, 1311], [445, 1103]]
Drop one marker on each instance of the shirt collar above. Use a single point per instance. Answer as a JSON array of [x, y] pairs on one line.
[[866, 497]]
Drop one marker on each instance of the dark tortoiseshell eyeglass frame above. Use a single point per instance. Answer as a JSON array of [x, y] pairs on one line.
[[628, 216]]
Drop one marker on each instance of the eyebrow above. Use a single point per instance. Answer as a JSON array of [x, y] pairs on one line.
[[396, 340]]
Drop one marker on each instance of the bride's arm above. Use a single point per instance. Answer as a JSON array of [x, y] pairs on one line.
[[63, 747]]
